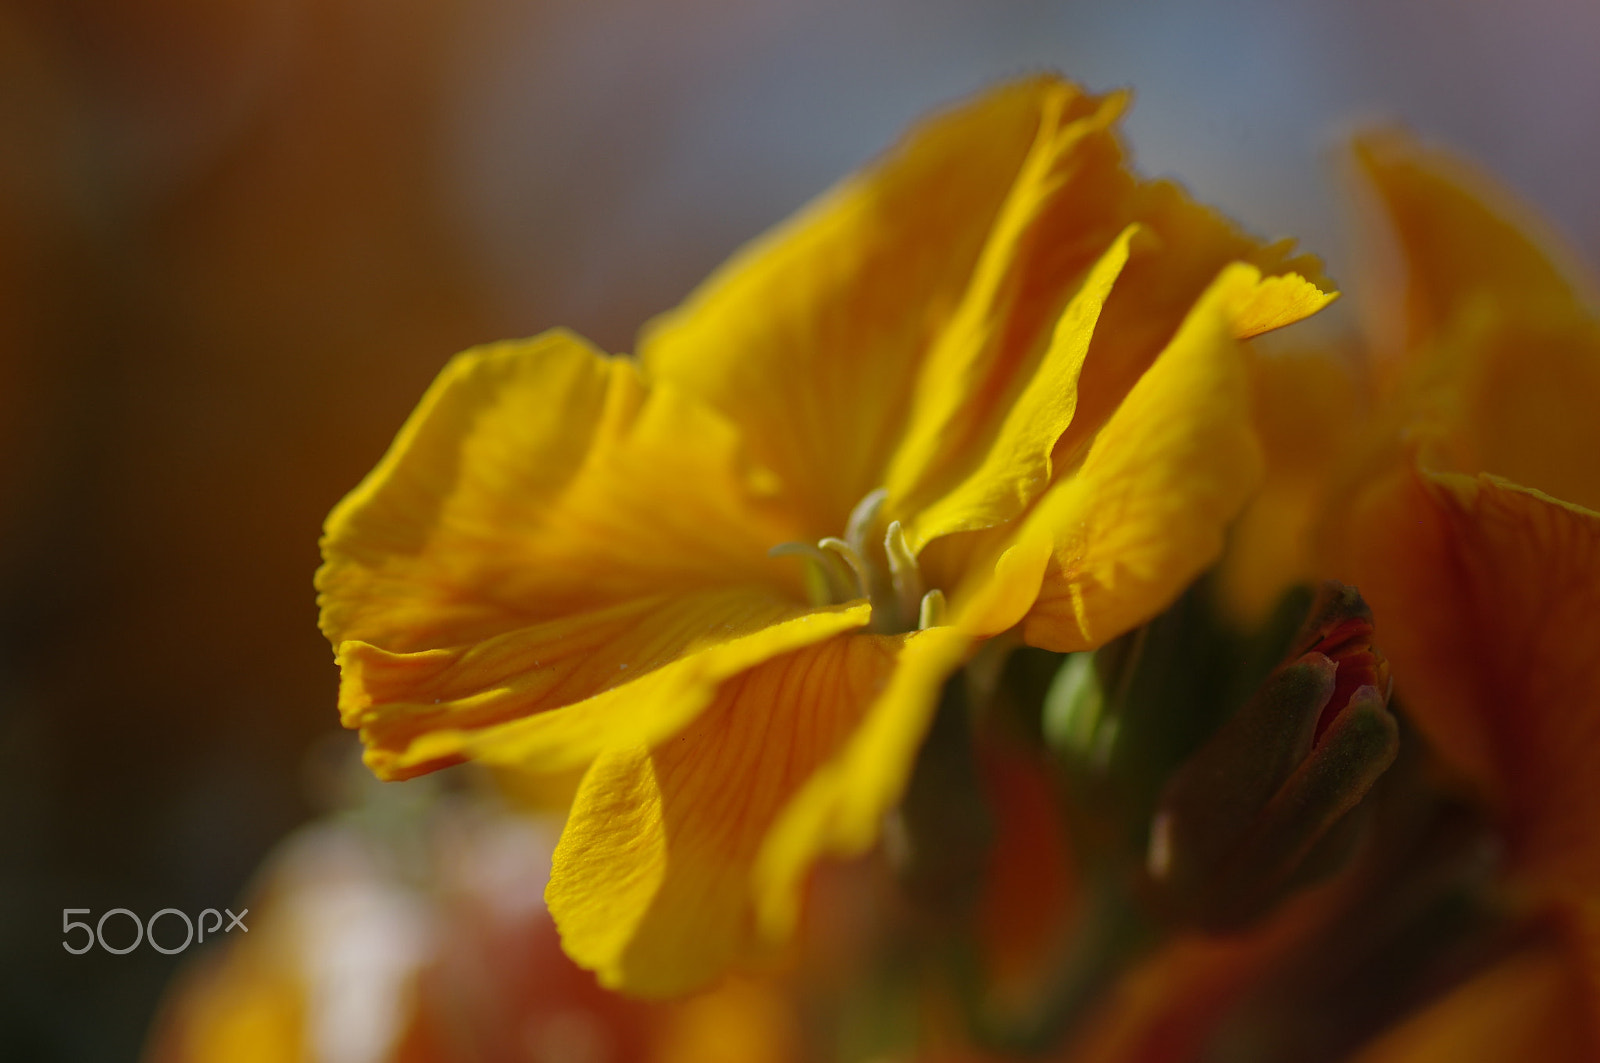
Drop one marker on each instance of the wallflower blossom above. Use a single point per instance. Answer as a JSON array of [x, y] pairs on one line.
[[990, 384], [1454, 479], [1479, 549]]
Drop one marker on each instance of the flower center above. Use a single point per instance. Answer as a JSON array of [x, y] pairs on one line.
[[857, 566]]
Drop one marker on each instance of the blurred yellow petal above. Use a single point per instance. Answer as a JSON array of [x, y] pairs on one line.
[[242, 1007], [1307, 414], [738, 1022], [1112, 543], [809, 336], [1501, 333], [1488, 595], [651, 886]]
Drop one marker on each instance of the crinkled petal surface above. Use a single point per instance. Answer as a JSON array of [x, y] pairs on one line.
[[1489, 598], [552, 697], [1087, 275], [537, 536], [1112, 543]]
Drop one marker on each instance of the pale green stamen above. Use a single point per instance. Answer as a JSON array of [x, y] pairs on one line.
[[862, 518], [840, 550], [842, 570], [904, 573]]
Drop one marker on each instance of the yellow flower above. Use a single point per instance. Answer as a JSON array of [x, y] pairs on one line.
[[990, 383]]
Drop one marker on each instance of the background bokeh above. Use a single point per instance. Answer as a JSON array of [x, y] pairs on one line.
[[238, 237]]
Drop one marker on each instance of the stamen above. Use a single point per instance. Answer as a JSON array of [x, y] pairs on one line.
[[849, 569], [862, 519], [904, 571], [843, 551], [828, 580]]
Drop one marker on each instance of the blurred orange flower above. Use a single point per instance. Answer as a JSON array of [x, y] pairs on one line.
[[1464, 501], [433, 950], [1479, 549]]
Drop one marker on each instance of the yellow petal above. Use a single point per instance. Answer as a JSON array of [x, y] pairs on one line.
[[651, 886], [1112, 544], [1530, 1006], [551, 696], [1159, 288], [1061, 215], [838, 811], [1488, 597], [1460, 240], [1000, 387], [545, 530], [534, 481], [1002, 477], [809, 336], [1276, 302], [247, 1005]]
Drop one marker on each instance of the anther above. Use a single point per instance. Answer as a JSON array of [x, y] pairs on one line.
[[932, 612]]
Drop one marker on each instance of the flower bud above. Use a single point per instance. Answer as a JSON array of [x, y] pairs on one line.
[[1267, 804]]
